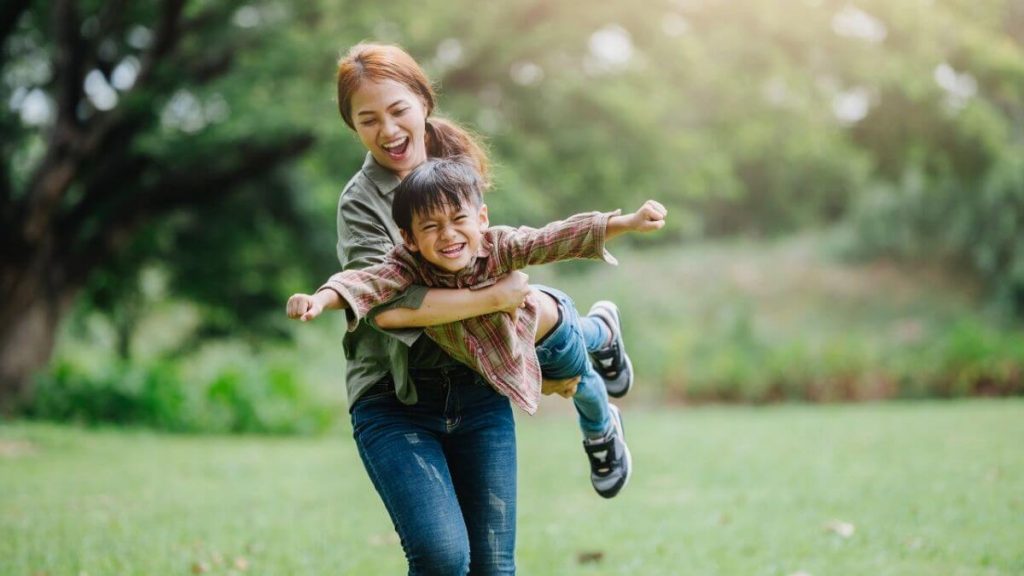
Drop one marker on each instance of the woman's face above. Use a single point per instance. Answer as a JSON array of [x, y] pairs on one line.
[[391, 122]]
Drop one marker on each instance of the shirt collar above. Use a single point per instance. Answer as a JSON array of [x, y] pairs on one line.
[[384, 179]]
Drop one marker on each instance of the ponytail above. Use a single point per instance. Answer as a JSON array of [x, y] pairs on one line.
[[446, 139]]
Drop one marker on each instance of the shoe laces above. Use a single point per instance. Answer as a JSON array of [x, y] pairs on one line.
[[602, 455], [608, 359]]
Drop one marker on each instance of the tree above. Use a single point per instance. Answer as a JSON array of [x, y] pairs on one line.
[[119, 126]]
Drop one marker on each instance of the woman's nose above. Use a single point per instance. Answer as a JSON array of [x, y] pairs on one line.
[[389, 127]]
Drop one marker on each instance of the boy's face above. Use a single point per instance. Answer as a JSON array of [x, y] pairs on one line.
[[448, 238]]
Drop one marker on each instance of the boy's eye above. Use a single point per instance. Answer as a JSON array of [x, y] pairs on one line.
[[429, 227], [461, 217]]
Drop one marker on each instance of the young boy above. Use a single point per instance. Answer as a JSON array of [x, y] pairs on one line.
[[444, 223]]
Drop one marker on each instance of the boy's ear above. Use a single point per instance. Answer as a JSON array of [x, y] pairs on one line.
[[484, 219], [410, 241]]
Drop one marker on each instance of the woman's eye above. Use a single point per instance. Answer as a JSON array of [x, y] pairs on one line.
[[368, 122], [401, 111]]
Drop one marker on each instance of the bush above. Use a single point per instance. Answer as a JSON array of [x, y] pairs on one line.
[[159, 394], [977, 224]]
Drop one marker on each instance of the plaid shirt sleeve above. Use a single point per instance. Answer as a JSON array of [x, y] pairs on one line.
[[366, 288], [579, 236]]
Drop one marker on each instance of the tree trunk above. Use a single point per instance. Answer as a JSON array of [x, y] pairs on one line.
[[32, 304]]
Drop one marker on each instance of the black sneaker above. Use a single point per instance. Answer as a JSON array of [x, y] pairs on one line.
[[610, 462], [612, 362]]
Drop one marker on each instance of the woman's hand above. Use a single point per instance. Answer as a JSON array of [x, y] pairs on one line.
[[566, 388], [510, 292]]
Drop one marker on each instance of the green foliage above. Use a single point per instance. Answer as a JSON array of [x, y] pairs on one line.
[[980, 225], [728, 112], [789, 321], [264, 399]]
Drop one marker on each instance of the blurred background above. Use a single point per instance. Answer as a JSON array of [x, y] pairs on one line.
[[845, 183]]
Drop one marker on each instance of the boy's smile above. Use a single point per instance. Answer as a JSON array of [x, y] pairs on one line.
[[448, 238]]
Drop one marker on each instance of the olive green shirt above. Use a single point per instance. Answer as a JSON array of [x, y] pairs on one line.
[[366, 233]]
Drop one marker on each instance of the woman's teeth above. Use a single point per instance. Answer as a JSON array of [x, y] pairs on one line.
[[396, 148]]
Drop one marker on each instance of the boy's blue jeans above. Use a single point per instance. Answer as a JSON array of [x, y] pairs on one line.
[[563, 354], [445, 468]]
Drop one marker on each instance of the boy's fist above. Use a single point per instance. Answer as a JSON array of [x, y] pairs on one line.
[[650, 217], [304, 307]]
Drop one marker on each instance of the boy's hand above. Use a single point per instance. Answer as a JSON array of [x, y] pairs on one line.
[[304, 307], [650, 217]]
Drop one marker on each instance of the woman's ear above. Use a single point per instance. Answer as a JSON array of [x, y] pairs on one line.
[[410, 241]]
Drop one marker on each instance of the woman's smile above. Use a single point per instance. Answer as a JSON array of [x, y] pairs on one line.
[[391, 123], [397, 148]]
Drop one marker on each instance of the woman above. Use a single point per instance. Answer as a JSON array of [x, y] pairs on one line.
[[436, 441]]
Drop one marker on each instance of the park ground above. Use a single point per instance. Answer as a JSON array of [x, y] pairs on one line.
[[899, 488]]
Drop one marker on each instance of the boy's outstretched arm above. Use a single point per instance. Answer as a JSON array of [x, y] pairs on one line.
[[358, 290], [579, 236], [650, 217]]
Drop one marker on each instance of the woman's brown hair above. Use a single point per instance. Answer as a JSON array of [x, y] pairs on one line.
[[376, 62]]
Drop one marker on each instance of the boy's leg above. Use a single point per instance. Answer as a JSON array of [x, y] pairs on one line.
[[608, 351], [604, 438], [563, 353], [591, 401]]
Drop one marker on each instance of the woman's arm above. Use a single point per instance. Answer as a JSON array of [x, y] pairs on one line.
[[444, 305]]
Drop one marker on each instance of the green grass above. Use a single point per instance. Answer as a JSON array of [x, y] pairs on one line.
[[929, 488]]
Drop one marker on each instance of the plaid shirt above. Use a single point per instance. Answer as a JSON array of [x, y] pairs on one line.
[[500, 350]]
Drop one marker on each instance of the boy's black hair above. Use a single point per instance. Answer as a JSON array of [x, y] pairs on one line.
[[437, 184]]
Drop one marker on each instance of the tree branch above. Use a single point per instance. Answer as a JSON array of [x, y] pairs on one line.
[[165, 38], [55, 173], [69, 146], [191, 186], [68, 61], [10, 13]]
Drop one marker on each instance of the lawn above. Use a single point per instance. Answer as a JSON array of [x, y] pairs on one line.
[[898, 488]]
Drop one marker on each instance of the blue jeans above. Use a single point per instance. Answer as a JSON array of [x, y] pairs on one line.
[[563, 354], [445, 468]]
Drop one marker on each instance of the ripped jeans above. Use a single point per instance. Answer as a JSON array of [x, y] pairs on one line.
[[445, 468]]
